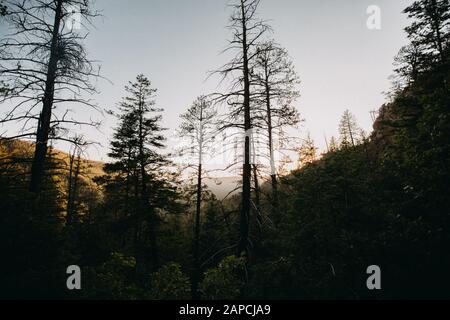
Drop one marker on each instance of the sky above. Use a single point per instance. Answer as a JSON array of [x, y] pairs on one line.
[[342, 64]]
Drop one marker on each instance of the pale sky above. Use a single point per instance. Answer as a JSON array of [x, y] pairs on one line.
[[342, 64]]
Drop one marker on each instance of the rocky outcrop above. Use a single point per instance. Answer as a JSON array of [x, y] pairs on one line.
[[394, 116]]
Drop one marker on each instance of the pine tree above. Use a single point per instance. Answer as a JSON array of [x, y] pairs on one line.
[[247, 30], [430, 30], [198, 126], [334, 146], [349, 130], [307, 152], [137, 170], [276, 80]]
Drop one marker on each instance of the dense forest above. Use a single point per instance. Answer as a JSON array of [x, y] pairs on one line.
[[142, 226]]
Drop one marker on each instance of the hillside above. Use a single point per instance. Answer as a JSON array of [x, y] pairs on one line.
[[219, 186], [25, 149]]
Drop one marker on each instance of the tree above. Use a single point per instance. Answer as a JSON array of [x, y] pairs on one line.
[[276, 80], [247, 30], [334, 146], [198, 126], [225, 281], [349, 130], [137, 172], [76, 168], [408, 65], [169, 283], [45, 63], [430, 30], [429, 35], [3, 11], [307, 152]]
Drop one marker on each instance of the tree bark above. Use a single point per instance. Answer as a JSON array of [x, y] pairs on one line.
[[350, 131], [43, 130], [146, 210], [70, 190], [74, 174], [273, 174], [257, 201], [197, 266], [246, 177]]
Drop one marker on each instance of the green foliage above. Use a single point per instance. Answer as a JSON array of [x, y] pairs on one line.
[[224, 282], [169, 283], [275, 280], [111, 280], [137, 186], [383, 205]]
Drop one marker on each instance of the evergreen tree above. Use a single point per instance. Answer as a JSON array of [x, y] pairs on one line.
[[307, 152], [198, 125], [430, 29], [334, 146], [276, 81], [351, 133], [137, 175]]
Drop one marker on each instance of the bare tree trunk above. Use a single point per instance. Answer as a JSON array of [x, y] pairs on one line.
[[43, 130], [75, 183], [127, 184], [246, 177], [146, 210], [273, 174], [73, 186], [257, 201], [273, 169], [70, 189], [197, 265], [350, 132], [138, 249]]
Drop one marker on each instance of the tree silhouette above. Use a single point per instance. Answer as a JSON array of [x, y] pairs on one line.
[[349, 130], [138, 170], [276, 82], [307, 152], [430, 29], [247, 30], [199, 126], [45, 63]]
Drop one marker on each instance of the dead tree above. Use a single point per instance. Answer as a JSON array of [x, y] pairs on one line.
[[46, 71], [276, 82], [198, 126], [247, 30]]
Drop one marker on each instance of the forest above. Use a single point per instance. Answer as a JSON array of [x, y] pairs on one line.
[[145, 225]]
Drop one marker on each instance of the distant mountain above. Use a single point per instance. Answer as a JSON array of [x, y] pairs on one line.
[[223, 187]]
